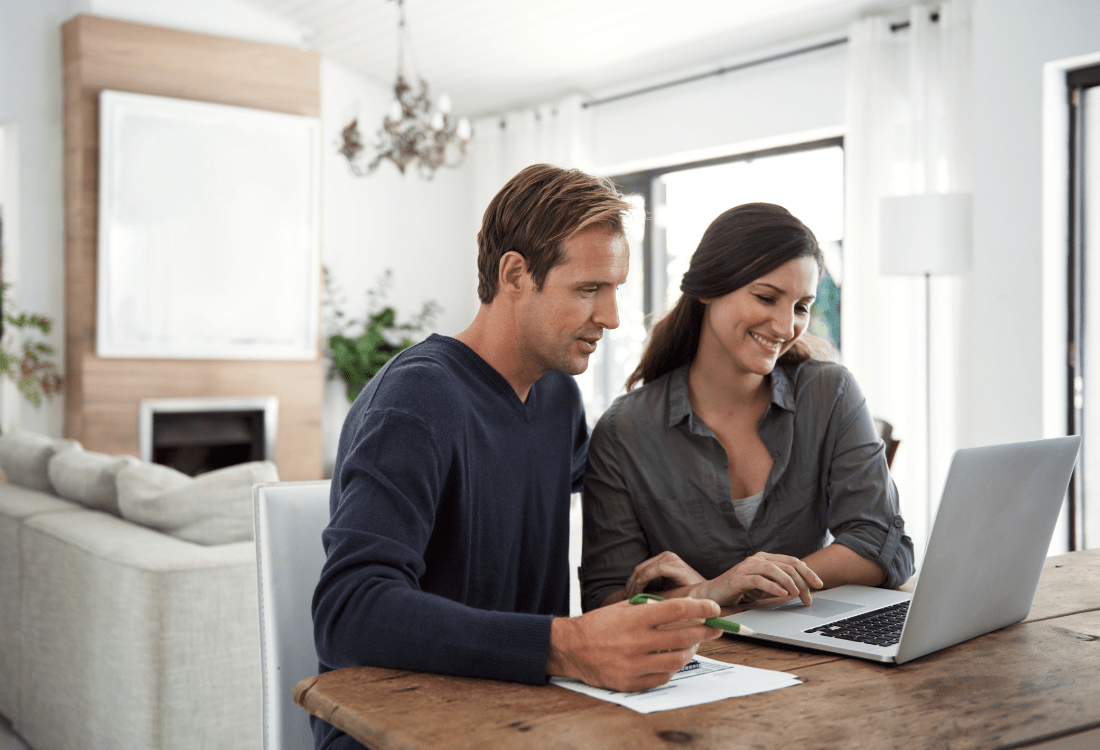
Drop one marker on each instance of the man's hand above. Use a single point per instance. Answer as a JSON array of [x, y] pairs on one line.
[[620, 647], [762, 575]]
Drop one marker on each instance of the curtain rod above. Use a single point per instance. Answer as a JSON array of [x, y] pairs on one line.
[[740, 66]]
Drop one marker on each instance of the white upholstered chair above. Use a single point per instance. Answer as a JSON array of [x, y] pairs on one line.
[[290, 517]]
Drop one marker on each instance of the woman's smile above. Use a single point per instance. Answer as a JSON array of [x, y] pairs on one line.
[[772, 345]]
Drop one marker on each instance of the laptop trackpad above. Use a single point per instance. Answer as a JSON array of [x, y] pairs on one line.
[[819, 608]]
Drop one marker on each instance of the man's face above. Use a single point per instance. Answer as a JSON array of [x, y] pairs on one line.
[[559, 326]]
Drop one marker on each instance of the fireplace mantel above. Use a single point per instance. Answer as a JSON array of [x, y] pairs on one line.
[[103, 395]]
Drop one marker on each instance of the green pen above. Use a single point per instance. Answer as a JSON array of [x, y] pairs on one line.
[[714, 622]]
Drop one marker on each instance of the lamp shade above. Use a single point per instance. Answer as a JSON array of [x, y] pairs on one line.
[[924, 234]]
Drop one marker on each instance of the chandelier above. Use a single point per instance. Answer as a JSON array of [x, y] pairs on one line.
[[412, 131]]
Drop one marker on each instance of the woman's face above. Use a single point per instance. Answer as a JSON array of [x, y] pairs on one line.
[[755, 325]]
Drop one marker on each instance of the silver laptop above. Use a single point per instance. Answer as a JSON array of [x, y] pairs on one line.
[[980, 571]]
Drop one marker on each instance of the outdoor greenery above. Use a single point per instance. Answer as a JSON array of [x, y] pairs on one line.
[[359, 348], [30, 365]]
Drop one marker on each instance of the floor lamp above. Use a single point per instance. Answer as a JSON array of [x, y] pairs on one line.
[[923, 235]]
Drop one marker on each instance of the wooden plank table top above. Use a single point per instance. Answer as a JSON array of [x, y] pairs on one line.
[[1030, 683], [1069, 584]]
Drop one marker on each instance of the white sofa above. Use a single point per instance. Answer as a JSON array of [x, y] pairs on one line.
[[114, 634]]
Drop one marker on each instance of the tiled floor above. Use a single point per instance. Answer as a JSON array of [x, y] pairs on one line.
[[8, 741]]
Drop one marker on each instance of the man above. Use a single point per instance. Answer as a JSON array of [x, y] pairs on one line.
[[447, 548]]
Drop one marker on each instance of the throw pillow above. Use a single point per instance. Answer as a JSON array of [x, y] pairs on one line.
[[25, 458], [212, 508], [88, 477]]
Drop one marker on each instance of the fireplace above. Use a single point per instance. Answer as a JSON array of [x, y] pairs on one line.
[[196, 435]]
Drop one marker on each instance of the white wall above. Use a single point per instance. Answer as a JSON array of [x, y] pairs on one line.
[[1001, 327], [233, 18], [30, 112], [420, 229], [753, 108]]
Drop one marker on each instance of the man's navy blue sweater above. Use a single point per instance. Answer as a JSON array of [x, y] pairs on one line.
[[448, 545]]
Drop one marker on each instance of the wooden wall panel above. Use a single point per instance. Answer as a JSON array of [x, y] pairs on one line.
[[102, 395]]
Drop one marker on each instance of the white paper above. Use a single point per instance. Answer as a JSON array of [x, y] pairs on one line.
[[710, 681]]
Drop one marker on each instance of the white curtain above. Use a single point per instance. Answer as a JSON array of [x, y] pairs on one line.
[[908, 132], [555, 133]]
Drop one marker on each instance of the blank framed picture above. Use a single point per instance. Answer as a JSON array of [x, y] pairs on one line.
[[208, 231]]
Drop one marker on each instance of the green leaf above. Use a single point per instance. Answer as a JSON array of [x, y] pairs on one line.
[[358, 358], [29, 389], [41, 322]]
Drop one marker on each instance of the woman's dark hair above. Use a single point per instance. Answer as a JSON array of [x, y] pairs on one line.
[[741, 245]]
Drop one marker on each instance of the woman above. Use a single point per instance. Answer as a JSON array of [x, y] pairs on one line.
[[743, 467]]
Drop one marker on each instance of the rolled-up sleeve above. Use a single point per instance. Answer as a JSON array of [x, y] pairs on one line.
[[613, 540], [863, 507]]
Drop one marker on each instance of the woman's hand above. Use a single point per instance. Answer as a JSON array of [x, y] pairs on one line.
[[666, 565], [761, 576]]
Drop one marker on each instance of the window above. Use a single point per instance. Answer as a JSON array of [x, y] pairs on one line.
[[673, 207]]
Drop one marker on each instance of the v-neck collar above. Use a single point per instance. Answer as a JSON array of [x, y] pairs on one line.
[[493, 376]]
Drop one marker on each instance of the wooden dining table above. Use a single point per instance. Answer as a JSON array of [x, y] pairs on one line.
[[1032, 684]]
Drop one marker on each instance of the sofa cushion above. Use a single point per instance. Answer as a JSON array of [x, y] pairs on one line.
[[20, 503], [87, 477], [212, 508], [25, 458]]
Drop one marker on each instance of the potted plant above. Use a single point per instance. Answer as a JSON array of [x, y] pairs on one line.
[[359, 348], [26, 359]]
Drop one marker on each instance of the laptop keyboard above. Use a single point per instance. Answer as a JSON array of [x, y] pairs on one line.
[[880, 627]]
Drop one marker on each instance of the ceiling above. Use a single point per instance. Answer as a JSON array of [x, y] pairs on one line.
[[492, 56]]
